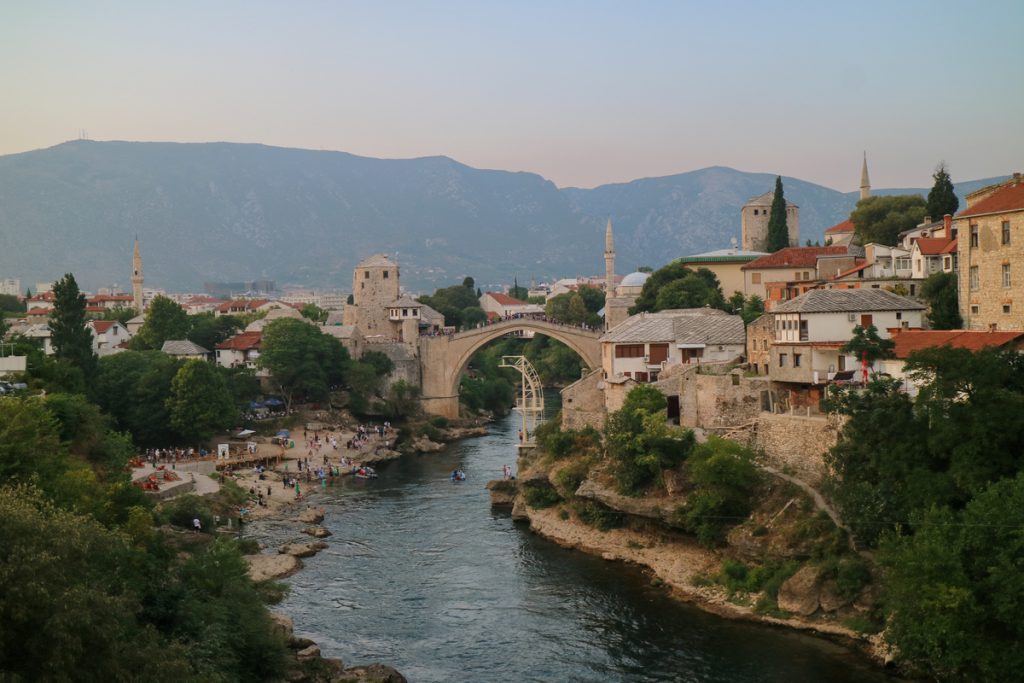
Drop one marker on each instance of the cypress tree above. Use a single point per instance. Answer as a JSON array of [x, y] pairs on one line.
[[942, 199], [778, 231], [71, 338]]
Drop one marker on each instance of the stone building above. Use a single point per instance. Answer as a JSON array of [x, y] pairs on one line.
[[754, 222], [375, 285], [760, 336], [990, 250], [726, 264]]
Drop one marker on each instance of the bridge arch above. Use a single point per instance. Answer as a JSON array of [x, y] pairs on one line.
[[443, 359]]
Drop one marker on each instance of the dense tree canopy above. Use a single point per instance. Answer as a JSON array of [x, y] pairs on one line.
[[456, 304], [676, 286], [303, 361], [208, 330], [942, 198], [867, 345], [881, 219], [199, 403], [940, 291], [778, 230], [72, 339], [165, 319]]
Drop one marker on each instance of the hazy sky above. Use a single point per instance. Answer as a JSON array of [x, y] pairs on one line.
[[583, 93]]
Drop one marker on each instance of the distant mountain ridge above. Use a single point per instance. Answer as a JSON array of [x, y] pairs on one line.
[[226, 211]]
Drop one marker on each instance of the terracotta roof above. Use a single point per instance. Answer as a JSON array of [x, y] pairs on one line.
[[845, 226], [505, 299], [111, 297], [799, 257], [241, 305], [908, 341], [242, 342], [859, 267], [95, 309], [101, 326], [1010, 197], [950, 248], [38, 311], [932, 246]]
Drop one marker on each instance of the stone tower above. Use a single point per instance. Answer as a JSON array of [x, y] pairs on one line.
[[609, 261], [865, 184], [754, 222], [375, 285], [137, 301]]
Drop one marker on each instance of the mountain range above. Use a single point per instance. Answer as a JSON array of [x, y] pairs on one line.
[[229, 212]]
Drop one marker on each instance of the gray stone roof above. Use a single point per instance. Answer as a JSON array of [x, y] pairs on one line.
[[405, 301], [684, 326], [183, 347], [766, 199], [375, 261], [429, 315], [848, 301]]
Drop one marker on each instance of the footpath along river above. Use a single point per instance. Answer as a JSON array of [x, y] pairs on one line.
[[421, 574]]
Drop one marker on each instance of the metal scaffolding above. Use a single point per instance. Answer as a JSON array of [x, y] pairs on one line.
[[531, 399]]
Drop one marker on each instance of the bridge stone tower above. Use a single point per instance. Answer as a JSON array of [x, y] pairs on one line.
[[754, 222], [375, 285], [137, 300]]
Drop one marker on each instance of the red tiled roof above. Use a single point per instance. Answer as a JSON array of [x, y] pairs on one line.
[[950, 248], [241, 305], [45, 296], [241, 342], [908, 341], [110, 297], [38, 311], [851, 271], [799, 257], [932, 246], [505, 299], [1010, 197], [101, 326], [845, 226], [95, 309]]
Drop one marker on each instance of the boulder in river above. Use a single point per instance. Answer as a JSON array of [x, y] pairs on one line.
[[264, 567], [316, 532], [503, 491], [311, 516], [372, 673], [302, 549]]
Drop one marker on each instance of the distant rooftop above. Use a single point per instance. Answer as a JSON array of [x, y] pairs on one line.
[[848, 301], [722, 256]]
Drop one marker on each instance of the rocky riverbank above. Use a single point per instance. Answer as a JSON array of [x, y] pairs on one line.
[[808, 599]]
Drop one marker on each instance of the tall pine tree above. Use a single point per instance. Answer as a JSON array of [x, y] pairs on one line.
[[941, 198], [778, 231], [71, 338]]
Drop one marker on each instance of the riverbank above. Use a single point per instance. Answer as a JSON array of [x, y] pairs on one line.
[[683, 567]]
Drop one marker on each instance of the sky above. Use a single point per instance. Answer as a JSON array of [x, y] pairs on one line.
[[583, 93]]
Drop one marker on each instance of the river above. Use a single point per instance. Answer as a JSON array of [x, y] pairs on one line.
[[423, 575]]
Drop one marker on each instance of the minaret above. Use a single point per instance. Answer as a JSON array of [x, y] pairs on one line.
[[865, 184], [609, 261], [137, 277]]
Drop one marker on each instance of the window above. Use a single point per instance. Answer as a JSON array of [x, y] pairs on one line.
[[782, 360], [797, 357], [764, 344], [974, 309], [866, 320], [755, 212], [1006, 308], [1006, 275], [807, 275], [385, 275], [974, 235], [899, 315], [366, 275], [902, 263], [975, 282], [804, 336], [755, 278], [1006, 232], [405, 312], [629, 351], [362, 285], [659, 353]]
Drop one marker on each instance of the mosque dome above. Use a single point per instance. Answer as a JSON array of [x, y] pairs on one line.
[[636, 279]]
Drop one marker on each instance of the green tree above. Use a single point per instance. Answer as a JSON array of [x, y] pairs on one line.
[[954, 591], [121, 314], [72, 339], [723, 476], [303, 362], [942, 198], [11, 304], [778, 231], [676, 286], [593, 298], [165, 320], [208, 330], [314, 313], [882, 219], [199, 403], [133, 388], [468, 282], [940, 291], [866, 344], [451, 302], [30, 442], [402, 401], [381, 364]]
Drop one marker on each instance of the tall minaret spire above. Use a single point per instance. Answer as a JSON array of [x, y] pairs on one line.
[[609, 261], [137, 277], [865, 184]]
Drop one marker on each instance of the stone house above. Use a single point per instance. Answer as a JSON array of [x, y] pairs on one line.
[[760, 337], [240, 351], [792, 264], [840, 234], [810, 330], [754, 217], [108, 336], [990, 248]]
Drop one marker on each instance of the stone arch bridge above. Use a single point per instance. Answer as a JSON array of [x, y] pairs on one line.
[[443, 359]]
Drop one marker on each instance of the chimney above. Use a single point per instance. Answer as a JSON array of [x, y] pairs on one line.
[[927, 220], [947, 223]]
